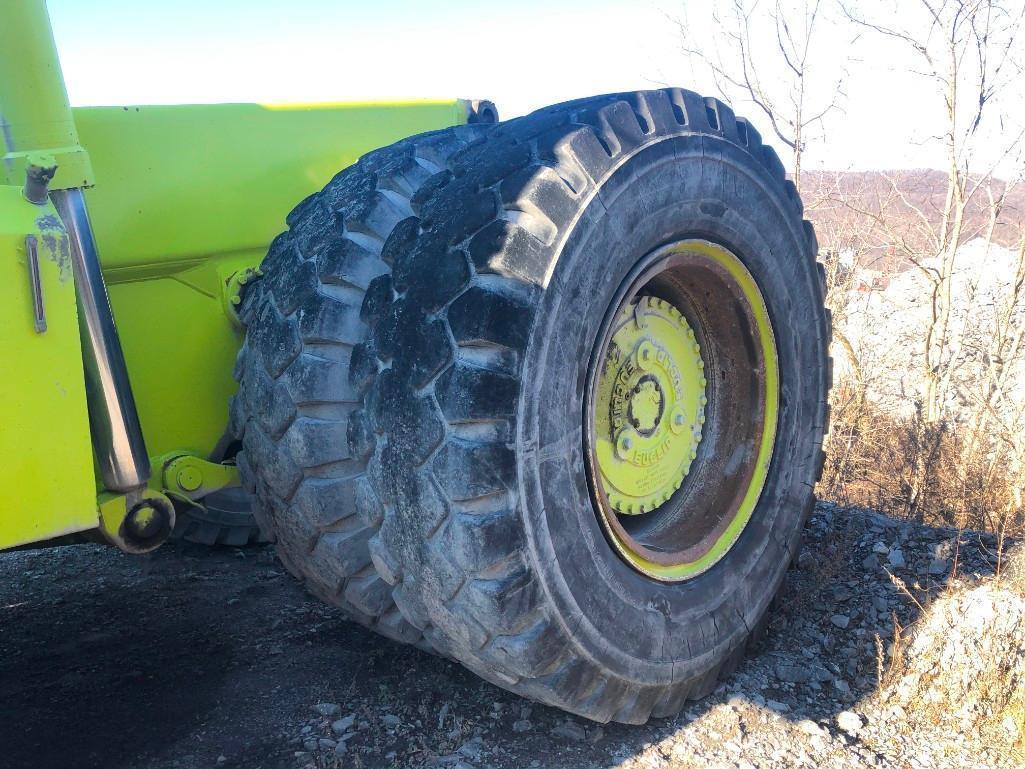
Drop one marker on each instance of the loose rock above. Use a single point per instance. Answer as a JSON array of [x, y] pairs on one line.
[[570, 731], [342, 725], [850, 722]]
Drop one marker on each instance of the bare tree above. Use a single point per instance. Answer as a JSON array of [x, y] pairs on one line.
[[966, 48], [965, 52], [766, 53], [991, 386]]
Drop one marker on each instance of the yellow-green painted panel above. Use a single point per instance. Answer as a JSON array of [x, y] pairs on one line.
[[180, 347], [186, 181], [186, 195], [46, 468], [34, 109]]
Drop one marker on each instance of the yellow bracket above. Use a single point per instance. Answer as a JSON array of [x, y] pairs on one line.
[[136, 522], [34, 102], [233, 291], [141, 520], [190, 478]]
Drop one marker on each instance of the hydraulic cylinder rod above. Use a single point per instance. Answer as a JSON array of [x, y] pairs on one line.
[[113, 419]]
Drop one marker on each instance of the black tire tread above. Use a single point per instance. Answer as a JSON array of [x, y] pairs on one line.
[[204, 529], [442, 467], [302, 371]]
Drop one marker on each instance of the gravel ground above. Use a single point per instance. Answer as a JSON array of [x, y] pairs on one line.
[[217, 658]]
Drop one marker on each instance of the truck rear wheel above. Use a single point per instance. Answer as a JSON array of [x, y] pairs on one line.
[[598, 402], [303, 371], [224, 518]]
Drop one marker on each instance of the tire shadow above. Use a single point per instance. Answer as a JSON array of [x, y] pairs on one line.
[[95, 671]]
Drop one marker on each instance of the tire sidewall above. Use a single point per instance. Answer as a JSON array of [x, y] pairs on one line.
[[690, 186]]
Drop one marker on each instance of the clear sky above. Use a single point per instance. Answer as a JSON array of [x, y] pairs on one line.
[[521, 55]]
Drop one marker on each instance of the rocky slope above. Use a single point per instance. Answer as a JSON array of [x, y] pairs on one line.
[[809, 697]]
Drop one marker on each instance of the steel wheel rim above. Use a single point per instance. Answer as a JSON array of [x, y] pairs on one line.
[[725, 322]]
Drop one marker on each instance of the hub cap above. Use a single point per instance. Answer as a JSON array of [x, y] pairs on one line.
[[650, 406]]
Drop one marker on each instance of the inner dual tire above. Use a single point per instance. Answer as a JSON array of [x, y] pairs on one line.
[[591, 398]]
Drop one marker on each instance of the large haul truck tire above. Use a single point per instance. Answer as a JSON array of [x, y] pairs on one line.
[[591, 403], [303, 371], [598, 402]]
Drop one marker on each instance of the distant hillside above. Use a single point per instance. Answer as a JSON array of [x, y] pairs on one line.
[[871, 212]]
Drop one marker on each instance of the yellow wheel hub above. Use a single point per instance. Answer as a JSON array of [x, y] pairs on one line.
[[649, 406]]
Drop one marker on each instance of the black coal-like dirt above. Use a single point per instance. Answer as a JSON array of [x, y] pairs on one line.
[[217, 658]]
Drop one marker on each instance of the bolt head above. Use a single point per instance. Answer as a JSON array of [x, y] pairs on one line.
[[624, 445], [646, 354], [188, 479]]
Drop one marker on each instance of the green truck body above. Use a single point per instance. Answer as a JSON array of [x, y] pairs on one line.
[[183, 200]]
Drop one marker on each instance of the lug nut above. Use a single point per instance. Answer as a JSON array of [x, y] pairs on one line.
[[624, 445]]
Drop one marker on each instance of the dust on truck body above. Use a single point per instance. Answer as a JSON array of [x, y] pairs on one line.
[[178, 204], [546, 396]]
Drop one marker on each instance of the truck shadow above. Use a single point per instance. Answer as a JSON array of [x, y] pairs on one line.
[[98, 664]]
